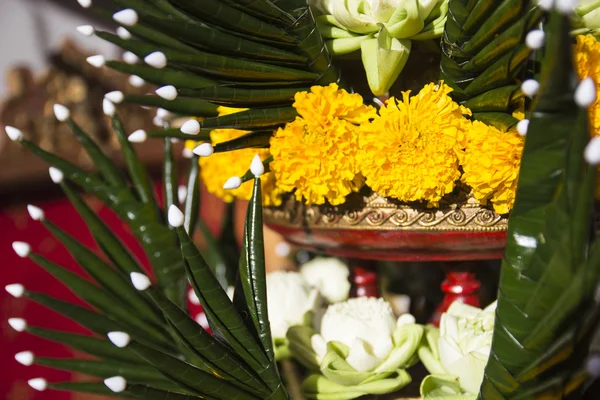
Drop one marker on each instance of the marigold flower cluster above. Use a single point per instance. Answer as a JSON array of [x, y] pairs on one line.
[[315, 155], [416, 148]]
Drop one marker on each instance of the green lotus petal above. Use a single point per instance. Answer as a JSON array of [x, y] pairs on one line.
[[319, 387], [443, 387], [347, 45], [407, 21], [301, 348], [384, 58], [406, 342], [333, 31]]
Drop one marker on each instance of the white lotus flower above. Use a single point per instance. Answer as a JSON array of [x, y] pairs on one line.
[[589, 12], [463, 345], [382, 30], [329, 276], [364, 324], [289, 299]]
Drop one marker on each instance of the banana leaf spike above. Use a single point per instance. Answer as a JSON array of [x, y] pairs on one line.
[[113, 281], [217, 358], [218, 13], [98, 388], [140, 30], [252, 265], [201, 35], [265, 9], [484, 55], [108, 243], [181, 105], [105, 369], [259, 139], [107, 168], [170, 184], [137, 171], [546, 311], [199, 382], [99, 298], [221, 313], [88, 344], [162, 77], [191, 206], [91, 320]]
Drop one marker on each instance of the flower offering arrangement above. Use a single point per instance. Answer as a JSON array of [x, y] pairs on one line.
[[427, 105]]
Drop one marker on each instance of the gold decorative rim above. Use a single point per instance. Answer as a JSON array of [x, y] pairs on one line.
[[374, 212]]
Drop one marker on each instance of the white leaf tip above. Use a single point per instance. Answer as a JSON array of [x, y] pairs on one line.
[[116, 383], [108, 107], [522, 127], [123, 33], [61, 112], [592, 151], [13, 133], [119, 339], [136, 81], [190, 127], [18, 324], [140, 281], [156, 59], [138, 136], [15, 289], [187, 153], [585, 94], [22, 249], [130, 58], [56, 175], [233, 183], [39, 384], [25, 358], [85, 3], [566, 7], [86, 30], [175, 216], [530, 87], [96, 61], [256, 167], [535, 39], [204, 150], [127, 17], [168, 92], [115, 96], [36, 213]]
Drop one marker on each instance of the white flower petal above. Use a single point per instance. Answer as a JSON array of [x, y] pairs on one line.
[[360, 358]]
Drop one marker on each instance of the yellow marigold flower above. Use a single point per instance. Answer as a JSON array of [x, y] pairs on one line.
[[491, 165], [217, 168], [411, 152], [315, 155], [587, 63]]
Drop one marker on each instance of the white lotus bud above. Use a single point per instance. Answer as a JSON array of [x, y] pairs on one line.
[[365, 325], [465, 343], [289, 299], [329, 276]]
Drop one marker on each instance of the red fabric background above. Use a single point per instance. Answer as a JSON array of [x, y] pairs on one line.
[[15, 225]]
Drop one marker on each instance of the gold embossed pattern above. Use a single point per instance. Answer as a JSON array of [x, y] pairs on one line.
[[374, 212]]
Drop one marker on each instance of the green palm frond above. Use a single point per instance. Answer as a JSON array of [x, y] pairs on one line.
[[158, 351], [484, 55], [245, 54], [546, 311]]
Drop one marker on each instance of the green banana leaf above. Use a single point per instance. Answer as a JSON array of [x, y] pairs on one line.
[[545, 312], [484, 56]]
